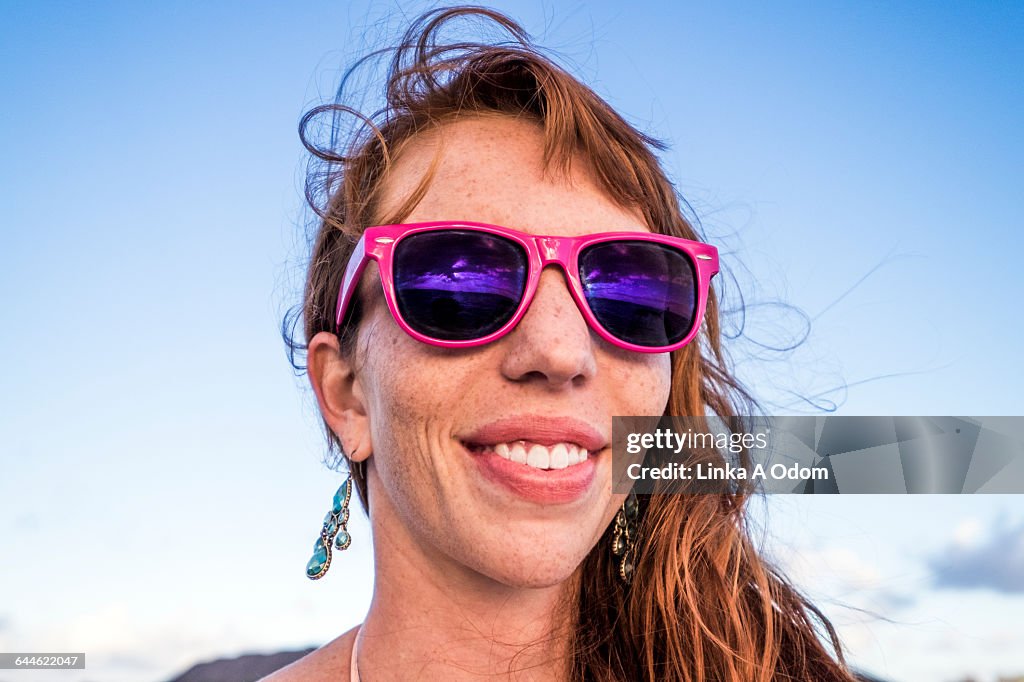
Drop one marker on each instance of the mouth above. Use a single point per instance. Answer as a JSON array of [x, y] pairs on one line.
[[540, 459], [543, 457]]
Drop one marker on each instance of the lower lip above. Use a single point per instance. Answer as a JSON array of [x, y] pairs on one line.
[[543, 486]]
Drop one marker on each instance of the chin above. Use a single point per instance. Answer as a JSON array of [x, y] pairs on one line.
[[524, 553], [532, 577], [533, 569]]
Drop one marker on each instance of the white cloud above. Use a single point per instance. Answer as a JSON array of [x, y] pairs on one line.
[[967, 532], [994, 562]]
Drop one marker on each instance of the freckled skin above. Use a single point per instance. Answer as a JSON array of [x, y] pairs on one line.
[[429, 504]]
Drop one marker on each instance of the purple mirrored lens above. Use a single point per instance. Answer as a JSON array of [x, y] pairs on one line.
[[644, 293], [457, 285]]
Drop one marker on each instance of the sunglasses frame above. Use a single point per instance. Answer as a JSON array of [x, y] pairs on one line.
[[541, 251]]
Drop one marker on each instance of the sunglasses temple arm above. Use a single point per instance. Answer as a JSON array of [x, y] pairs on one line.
[[356, 263]]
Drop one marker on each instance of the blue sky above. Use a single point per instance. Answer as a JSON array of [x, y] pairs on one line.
[[162, 483]]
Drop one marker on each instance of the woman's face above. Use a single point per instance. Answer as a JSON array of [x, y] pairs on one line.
[[434, 418]]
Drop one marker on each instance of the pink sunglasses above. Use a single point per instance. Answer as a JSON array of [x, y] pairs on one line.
[[458, 284]]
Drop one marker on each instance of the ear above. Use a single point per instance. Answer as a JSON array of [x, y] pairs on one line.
[[340, 395]]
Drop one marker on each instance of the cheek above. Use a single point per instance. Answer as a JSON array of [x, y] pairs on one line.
[[406, 417], [640, 383], [412, 391]]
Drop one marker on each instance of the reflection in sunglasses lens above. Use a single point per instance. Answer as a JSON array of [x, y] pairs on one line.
[[641, 292], [457, 285]]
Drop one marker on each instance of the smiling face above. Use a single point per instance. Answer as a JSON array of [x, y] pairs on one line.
[[444, 431]]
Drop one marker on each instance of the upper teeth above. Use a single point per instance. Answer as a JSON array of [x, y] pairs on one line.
[[558, 456]]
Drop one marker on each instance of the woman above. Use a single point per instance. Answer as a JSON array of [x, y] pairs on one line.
[[470, 388]]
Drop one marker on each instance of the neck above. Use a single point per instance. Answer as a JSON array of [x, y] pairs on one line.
[[432, 618]]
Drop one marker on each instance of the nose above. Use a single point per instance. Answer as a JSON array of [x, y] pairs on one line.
[[552, 344]]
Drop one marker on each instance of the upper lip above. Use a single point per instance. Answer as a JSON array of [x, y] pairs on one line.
[[538, 429]]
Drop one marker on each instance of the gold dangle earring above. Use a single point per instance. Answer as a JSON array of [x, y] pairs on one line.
[[622, 540]]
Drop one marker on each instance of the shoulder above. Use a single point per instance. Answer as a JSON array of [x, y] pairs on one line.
[[329, 662]]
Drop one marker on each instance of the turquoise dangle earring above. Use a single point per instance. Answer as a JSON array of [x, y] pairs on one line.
[[622, 540], [334, 531]]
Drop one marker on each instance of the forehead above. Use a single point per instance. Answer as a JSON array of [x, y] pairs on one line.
[[491, 169]]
